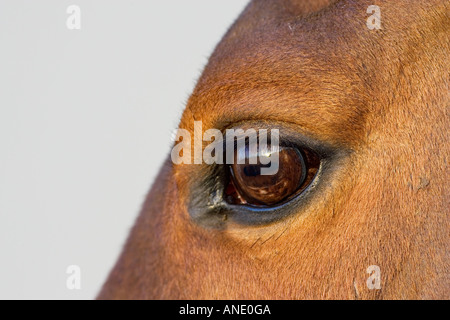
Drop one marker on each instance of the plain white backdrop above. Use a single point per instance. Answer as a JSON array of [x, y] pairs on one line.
[[85, 123]]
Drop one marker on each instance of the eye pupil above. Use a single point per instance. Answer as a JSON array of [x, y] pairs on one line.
[[251, 187], [254, 170]]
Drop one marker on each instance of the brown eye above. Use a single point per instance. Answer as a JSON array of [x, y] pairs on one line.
[[247, 185]]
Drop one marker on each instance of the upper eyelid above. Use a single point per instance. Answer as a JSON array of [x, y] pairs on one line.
[[290, 132], [290, 135]]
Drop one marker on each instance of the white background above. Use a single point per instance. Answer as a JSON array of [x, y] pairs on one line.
[[85, 123]]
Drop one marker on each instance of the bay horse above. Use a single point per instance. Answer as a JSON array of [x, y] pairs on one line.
[[364, 110]]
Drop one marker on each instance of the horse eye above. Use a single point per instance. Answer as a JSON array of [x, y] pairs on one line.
[[296, 170]]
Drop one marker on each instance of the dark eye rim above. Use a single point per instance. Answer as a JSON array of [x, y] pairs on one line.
[[206, 204]]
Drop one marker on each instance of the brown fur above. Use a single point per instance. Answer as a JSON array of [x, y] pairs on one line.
[[316, 67]]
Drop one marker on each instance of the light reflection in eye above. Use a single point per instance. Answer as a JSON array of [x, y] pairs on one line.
[[247, 185]]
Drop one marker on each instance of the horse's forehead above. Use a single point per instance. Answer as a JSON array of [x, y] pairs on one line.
[[287, 68], [287, 37], [283, 41], [324, 69]]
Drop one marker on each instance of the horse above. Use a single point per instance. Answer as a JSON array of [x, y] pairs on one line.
[[359, 206]]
